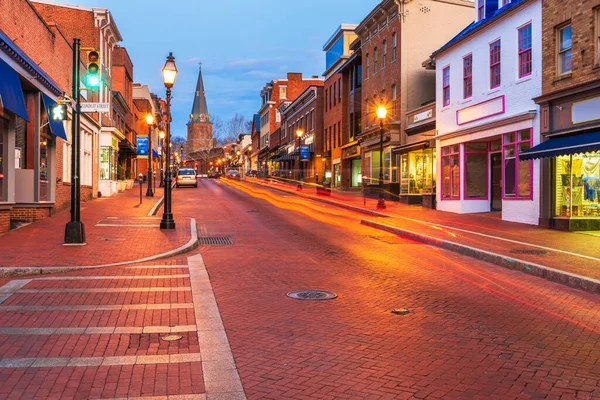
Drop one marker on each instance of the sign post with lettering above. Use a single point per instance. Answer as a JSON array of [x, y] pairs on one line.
[[95, 107]]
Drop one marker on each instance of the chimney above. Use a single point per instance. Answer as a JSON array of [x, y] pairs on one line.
[[294, 76]]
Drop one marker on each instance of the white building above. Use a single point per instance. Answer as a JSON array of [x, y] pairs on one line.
[[486, 78]]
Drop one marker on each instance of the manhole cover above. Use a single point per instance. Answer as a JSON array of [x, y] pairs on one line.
[[217, 241], [312, 295], [529, 251], [252, 211], [400, 311], [171, 338], [113, 239]]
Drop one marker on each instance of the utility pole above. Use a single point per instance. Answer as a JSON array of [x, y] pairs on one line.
[[74, 231]]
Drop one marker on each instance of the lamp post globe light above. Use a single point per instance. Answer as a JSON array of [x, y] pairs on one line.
[[381, 114], [150, 122], [169, 73], [299, 134], [161, 168]]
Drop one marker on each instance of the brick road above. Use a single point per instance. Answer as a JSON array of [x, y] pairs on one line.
[[474, 330], [577, 253]]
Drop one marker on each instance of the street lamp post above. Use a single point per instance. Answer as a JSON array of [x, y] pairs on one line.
[[169, 72], [299, 134], [381, 113], [161, 135], [150, 121]]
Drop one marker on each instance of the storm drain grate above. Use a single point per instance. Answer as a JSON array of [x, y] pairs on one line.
[[311, 295], [215, 240], [529, 251]]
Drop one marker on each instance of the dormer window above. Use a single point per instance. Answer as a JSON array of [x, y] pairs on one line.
[[480, 9]]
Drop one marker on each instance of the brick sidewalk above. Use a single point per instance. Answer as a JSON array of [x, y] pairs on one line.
[[118, 229], [570, 252]]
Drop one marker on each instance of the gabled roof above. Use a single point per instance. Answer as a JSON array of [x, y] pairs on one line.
[[476, 26]]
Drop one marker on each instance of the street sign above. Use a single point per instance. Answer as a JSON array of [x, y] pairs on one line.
[[142, 145], [58, 112], [304, 153], [95, 107]]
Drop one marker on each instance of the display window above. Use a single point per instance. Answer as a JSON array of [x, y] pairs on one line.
[[578, 185], [476, 171], [417, 172], [450, 172], [108, 163], [517, 174]]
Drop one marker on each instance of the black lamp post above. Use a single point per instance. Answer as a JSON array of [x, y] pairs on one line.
[[299, 134], [161, 135], [169, 72], [150, 121], [381, 113]]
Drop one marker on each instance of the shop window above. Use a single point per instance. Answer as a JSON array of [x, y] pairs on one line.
[[578, 185], [44, 195], [387, 165], [417, 172], [517, 173], [564, 50], [108, 163], [525, 51], [495, 64], [450, 172], [476, 171], [446, 86], [468, 76]]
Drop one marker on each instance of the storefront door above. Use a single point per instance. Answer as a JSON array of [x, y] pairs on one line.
[[496, 179]]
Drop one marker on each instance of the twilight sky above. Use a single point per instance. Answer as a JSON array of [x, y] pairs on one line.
[[242, 45]]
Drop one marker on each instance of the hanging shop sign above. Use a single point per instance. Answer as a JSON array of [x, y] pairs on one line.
[[304, 153], [142, 145]]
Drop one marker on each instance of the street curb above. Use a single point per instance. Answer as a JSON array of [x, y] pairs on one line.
[[586, 284], [159, 203], [324, 200], [189, 246]]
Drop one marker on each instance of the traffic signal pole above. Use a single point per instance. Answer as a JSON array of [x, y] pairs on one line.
[[74, 231]]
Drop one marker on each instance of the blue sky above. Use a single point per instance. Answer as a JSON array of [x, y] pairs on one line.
[[242, 45]]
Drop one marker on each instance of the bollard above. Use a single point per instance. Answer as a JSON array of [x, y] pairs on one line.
[[141, 180]]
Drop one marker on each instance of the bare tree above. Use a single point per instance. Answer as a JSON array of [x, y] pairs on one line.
[[229, 131]]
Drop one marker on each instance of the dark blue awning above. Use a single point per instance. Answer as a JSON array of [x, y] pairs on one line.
[[11, 92], [564, 146], [57, 127], [154, 153]]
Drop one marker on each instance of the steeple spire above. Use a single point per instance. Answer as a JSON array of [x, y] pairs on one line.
[[199, 109]]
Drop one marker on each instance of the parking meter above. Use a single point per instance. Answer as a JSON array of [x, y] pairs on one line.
[[141, 180]]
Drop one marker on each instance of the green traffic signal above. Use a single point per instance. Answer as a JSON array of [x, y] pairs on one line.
[[92, 77]]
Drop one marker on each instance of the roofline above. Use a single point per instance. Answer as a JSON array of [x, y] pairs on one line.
[[338, 33], [95, 10], [485, 25]]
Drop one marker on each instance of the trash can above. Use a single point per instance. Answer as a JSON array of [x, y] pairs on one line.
[[324, 189]]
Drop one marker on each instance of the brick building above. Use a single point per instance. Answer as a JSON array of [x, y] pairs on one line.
[[97, 29], [273, 94], [34, 73], [124, 117], [570, 115], [301, 128], [336, 111], [393, 45]]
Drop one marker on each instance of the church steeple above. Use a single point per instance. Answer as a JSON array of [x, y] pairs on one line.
[[199, 109]]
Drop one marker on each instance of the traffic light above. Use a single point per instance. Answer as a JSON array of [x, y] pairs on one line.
[[92, 76], [58, 112]]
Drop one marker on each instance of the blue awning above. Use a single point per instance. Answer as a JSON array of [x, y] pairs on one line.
[[11, 92], [154, 153], [564, 146], [57, 127]]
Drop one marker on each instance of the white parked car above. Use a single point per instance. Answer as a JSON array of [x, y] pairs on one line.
[[186, 177]]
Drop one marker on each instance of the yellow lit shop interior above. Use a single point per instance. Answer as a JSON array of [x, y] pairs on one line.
[[578, 186]]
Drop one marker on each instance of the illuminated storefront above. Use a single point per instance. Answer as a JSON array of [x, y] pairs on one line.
[[570, 158], [417, 175]]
